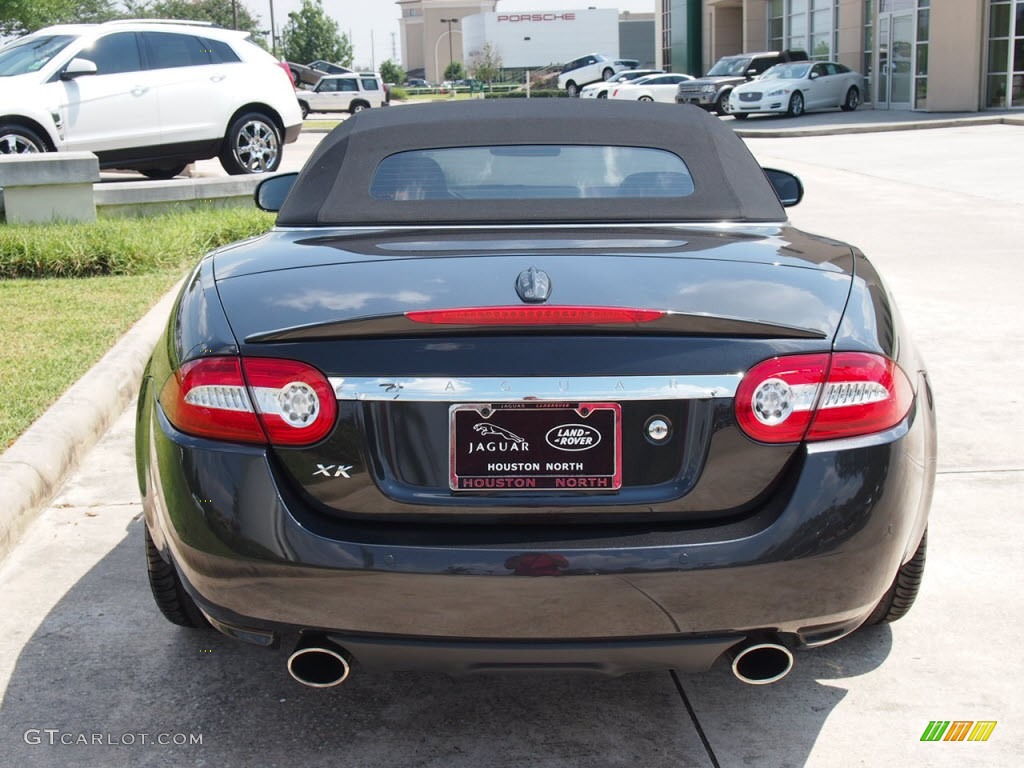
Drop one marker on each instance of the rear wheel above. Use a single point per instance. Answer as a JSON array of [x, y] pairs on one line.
[[18, 140], [607, 74], [572, 90], [162, 173], [852, 100], [897, 602], [645, 98], [171, 598], [796, 105], [304, 108], [252, 145], [358, 106]]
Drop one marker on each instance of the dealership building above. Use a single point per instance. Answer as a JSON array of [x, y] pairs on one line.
[[930, 55], [524, 39]]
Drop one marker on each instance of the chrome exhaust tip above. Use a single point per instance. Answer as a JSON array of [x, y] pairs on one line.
[[761, 663], [319, 663]]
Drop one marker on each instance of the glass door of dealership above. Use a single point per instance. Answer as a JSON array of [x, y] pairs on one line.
[[895, 52]]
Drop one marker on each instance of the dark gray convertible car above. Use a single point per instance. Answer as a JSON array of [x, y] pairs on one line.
[[535, 386]]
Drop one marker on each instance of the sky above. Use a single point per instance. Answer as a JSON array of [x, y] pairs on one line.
[[360, 18]]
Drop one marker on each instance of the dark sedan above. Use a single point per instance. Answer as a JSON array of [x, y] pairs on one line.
[[505, 391]]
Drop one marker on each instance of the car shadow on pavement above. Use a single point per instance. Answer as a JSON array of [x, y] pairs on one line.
[[106, 681]]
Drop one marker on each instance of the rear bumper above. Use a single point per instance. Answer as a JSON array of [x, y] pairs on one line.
[[809, 565], [291, 132]]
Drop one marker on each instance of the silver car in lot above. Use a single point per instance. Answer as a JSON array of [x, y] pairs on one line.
[[796, 87]]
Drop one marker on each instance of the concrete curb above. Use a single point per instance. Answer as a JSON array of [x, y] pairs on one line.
[[907, 125], [36, 465]]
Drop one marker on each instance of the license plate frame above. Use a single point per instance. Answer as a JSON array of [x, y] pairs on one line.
[[530, 447]]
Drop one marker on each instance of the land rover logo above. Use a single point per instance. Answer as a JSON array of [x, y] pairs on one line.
[[573, 437]]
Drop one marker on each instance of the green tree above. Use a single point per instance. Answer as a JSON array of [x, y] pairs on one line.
[[18, 17], [216, 11], [486, 64], [454, 71], [391, 72], [311, 34]]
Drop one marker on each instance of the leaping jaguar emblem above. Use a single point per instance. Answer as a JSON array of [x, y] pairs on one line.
[[500, 432]]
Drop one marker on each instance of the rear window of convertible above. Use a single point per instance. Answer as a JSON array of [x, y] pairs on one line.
[[531, 172]]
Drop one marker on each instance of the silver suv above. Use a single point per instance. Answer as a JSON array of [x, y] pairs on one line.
[[350, 93], [147, 95], [712, 91]]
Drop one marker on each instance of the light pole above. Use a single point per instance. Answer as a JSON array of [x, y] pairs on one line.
[[273, 31], [451, 55]]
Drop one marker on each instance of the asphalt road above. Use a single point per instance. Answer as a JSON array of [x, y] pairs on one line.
[[84, 655]]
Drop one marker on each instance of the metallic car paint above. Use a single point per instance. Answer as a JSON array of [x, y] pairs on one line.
[[455, 582]]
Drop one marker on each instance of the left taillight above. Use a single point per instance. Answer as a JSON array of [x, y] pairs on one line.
[[250, 400], [822, 397]]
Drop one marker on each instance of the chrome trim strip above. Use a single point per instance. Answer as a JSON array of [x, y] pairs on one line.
[[536, 388]]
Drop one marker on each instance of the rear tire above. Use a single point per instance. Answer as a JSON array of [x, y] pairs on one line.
[[796, 105], [572, 90], [645, 98], [359, 106], [852, 100], [304, 108], [252, 145], [168, 592], [18, 140], [607, 73], [897, 602]]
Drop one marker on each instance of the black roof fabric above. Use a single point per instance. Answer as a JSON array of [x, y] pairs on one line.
[[334, 187]]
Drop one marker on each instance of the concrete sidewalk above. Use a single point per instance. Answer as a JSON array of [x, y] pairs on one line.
[[864, 120]]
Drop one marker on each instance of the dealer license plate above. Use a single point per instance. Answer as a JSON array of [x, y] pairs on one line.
[[535, 446]]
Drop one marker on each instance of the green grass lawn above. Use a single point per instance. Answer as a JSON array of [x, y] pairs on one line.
[[68, 292], [123, 246], [54, 330]]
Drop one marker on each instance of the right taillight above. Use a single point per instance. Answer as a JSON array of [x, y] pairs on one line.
[[249, 400], [822, 397]]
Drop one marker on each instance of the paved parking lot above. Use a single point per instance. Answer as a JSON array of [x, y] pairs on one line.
[[83, 651]]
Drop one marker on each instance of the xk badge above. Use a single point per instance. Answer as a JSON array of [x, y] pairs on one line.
[[333, 470]]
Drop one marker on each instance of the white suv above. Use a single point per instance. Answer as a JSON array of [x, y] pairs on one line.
[[147, 95], [589, 69], [352, 92]]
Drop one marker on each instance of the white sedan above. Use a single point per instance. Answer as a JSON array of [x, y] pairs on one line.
[[795, 87], [602, 88], [651, 88]]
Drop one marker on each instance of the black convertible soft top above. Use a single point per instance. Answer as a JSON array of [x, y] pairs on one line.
[[334, 187]]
